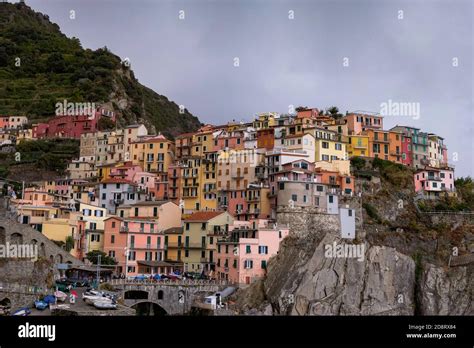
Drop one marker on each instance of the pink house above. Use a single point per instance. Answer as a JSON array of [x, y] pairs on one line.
[[242, 256], [357, 122], [232, 140], [433, 181], [126, 171], [137, 242], [146, 182]]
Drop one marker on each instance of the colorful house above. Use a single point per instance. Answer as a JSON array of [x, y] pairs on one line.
[[243, 255]]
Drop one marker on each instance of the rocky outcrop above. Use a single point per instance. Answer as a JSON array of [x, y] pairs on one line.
[[381, 282], [304, 280], [445, 291]]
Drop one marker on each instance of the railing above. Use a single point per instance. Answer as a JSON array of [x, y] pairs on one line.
[[190, 282]]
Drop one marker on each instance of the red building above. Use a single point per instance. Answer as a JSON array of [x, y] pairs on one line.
[[407, 150], [71, 126]]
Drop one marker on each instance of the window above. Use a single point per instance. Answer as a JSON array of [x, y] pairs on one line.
[[187, 226], [294, 197], [325, 157], [331, 199], [319, 188], [263, 265], [349, 212], [203, 226], [325, 145], [338, 146], [248, 249], [263, 249], [248, 264], [281, 186], [112, 239]]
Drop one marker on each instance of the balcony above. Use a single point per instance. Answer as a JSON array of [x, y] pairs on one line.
[[173, 245], [237, 176], [194, 246], [145, 247], [90, 230], [124, 229], [433, 178], [241, 212], [116, 201], [253, 199]]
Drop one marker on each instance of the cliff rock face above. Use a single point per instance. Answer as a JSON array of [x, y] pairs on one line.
[[303, 280], [381, 283], [445, 292]]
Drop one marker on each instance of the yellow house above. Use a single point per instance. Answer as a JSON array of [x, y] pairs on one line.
[[358, 145], [137, 152], [59, 229], [158, 154], [94, 218], [329, 145], [172, 244], [24, 134], [191, 183], [200, 232], [265, 120]]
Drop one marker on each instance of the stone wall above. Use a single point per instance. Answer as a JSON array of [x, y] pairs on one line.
[[167, 295]]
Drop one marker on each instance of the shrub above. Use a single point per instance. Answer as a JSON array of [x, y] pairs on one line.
[[372, 212]]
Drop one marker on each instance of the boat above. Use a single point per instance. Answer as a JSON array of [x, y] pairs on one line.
[[22, 312], [61, 296], [101, 304], [49, 299], [90, 298], [40, 305]]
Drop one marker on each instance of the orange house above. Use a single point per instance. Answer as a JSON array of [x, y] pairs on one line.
[[265, 138], [337, 181]]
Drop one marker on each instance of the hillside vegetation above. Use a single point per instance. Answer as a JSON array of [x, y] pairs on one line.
[[40, 66]]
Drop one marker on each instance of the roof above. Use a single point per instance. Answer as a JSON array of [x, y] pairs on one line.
[[146, 204], [173, 230], [159, 263], [203, 215], [185, 135], [116, 181]]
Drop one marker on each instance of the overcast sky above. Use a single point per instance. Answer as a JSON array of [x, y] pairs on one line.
[[403, 56]]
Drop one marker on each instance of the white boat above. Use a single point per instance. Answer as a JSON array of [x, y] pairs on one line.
[[100, 304], [90, 299], [61, 296]]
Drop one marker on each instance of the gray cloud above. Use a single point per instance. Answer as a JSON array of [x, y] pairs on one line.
[[298, 61]]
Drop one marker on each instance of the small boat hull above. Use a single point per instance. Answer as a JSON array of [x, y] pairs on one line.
[[61, 296], [105, 305], [22, 312], [41, 305]]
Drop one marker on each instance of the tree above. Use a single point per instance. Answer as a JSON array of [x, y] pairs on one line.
[[105, 124], [93, 257], [69, 243], [300, 108], [333, 112]]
